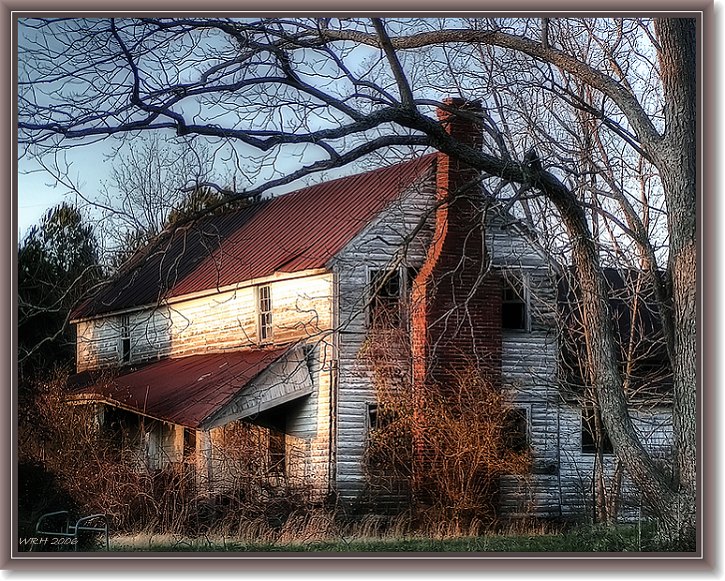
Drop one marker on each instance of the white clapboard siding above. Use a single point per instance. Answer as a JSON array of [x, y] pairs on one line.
[[529, 359], [302, 308], [529, 371], [383, 242], [302, 311], [577, 468], [286, 380]]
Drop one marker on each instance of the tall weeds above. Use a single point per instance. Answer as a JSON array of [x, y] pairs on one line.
[[69, 461], [447, 446]]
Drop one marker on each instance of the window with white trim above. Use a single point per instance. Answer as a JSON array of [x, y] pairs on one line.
[[264, 308]]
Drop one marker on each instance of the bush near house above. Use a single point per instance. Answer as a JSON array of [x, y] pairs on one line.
[[68, 461], [447, 448]]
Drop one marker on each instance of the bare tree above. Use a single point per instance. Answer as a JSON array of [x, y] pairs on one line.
[[148, 179], [304, 95]]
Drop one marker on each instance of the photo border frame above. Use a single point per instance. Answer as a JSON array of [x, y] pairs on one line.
[[705, 558]]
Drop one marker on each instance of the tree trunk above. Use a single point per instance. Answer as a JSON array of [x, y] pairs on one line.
[[674, 154], [662, 497], [615, 492], [676, 161], [683, 272], [600, 488]]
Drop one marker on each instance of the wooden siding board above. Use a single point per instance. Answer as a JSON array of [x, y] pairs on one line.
[[285, 380], [373, 248], [577, 468], [302, 311], [208, 324]]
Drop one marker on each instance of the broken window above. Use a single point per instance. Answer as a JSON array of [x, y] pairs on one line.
[[589, 439], [264, 307], [372, 416], [389, 291], [514, 304], [516, 429], [378, 416], [381, 416], [385, 293], [125, 346], [410, 273]]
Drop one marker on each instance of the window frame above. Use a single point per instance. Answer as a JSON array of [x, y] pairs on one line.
[[379, 416], [124, 339], [586, 417], [405, 275], [371, 415], [508, 280], [526, 409], [265, 329]]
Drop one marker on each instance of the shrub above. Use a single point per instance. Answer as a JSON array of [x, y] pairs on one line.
[[70, 462], [447, 447]]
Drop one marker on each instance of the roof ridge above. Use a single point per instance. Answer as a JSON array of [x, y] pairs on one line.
[[337, 180]]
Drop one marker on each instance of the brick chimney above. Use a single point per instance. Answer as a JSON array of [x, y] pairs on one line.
[[456, 303]]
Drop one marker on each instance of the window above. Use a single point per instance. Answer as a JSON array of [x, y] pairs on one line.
[[277, 445], [380, 416], [189, 443], [388, 291], [589, 443], [410, 273], [514, 311], [372, 416], [125, 339], [516, 429], [384, 298], [264, 306]]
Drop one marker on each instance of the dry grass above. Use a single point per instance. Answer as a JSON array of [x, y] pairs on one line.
[[539, 538]]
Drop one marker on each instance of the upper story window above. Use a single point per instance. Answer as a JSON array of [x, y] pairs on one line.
[[125, 339], [389, 288], [264, 309], [515, 304], [385, 294]]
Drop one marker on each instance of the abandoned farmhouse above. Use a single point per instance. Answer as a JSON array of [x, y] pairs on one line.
[[267, 315]]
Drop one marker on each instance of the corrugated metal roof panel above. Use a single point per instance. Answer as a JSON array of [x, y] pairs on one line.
[[182, 391], [152, 273], [297, 231]]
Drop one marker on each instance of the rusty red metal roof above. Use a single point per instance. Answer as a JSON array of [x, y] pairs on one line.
[[294, 232], [183, 391]]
